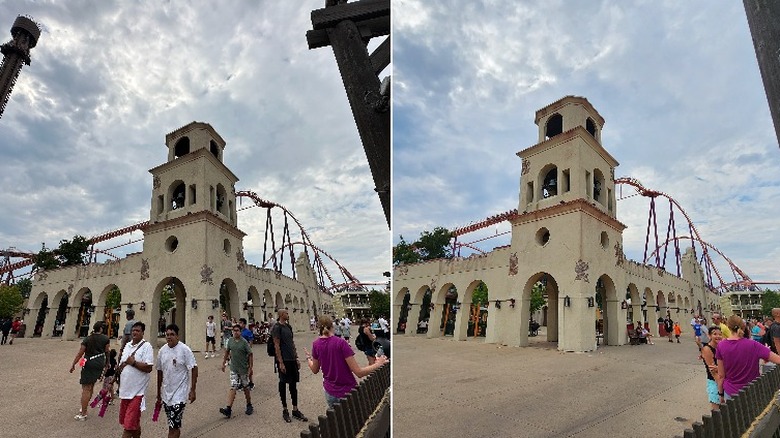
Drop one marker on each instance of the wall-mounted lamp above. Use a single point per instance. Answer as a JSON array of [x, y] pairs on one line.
[[591, 302], [214, 303], [512, 303], [142, 306], [67, 310], [624, 305], [129, 306], [91, 309], [432, 306], [566, 301], [295, 310], [46, 311], [678, 310], [657, 308], [498, 304], [246, 305], [26, 311], [262, 306], [194, 303]]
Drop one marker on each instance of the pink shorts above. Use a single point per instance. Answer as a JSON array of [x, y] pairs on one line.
[[130, 413]]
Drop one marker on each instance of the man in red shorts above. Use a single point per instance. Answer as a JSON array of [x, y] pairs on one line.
[[135, 366]]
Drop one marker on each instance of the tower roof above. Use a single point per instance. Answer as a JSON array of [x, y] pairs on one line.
[[566, 100], [192, 126]]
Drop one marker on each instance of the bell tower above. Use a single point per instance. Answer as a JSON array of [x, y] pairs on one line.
[[567, 234]]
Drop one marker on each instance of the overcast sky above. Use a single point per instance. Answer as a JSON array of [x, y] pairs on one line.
[[109, 79], [677, 83]]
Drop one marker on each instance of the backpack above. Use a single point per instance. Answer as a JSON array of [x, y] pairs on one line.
[[359, 341], [270, 347]]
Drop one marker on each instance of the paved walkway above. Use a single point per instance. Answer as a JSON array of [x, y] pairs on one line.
[[38, 396], [446, 388]]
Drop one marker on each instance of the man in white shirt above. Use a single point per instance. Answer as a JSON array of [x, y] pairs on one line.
[[175, 362], [135, 366], [383, 326], [211, 333]]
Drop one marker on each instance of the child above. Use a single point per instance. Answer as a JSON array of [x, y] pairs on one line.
[[106, 394], [677, 331]]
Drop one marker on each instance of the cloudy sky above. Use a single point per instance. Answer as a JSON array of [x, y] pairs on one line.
[[677, 83], [109, 79]]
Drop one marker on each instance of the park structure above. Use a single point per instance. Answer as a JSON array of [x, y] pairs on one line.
[[565, 238], [192, 251]]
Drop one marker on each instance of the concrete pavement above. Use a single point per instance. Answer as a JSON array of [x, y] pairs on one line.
[[446, 388]]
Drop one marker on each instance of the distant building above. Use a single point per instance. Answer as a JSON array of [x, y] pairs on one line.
[[746, 304]]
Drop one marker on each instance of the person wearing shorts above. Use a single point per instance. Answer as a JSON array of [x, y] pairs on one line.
[[239, 352], [175, 363], [136, 367], [211, 337]]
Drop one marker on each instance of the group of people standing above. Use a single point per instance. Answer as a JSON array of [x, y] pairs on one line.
[[10, 326], [734, 352], [177, 369]]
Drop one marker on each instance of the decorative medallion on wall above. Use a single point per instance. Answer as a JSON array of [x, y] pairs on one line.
[[526, 166], [205, 274], [619, 254], [156, 183], [42, 276], [661, 272], [278, 275], [513, 263], [433, 284], [144, 269], [241, 260], [403, 270], [581, 269], [70, 289]]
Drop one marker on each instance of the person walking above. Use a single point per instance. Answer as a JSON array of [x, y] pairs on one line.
[[366, 342], [717, 319], [135, 367], [239, 352], [677, 331], [383, 327], [708, 356], [127, 333], [15, 327], [336, 359], [94, 350], [668, 327], [345, 329], [177, 378], [287, 365], [5, 325], [227, 330], [211, 337], [738, 359]]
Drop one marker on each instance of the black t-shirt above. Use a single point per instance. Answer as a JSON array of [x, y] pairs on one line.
[[285, 334], [774, 329]]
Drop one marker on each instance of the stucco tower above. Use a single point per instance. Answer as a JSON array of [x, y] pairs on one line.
[[192, 233], [567, 225], [16, 53]]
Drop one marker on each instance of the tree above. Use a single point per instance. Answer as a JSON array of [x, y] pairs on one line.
[[435, 244], [769, 300], [404, 253], [45, 259], [114, 298], [25, 287], [73, 252], [480, 295], [537, 297], [11, 301], [166, 299], [380, 303]]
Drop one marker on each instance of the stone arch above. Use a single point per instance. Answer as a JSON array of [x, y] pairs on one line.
[[109, 316], [553, 126], [229, 298], [56, 326], [609, 309], [547, 181], [418, 313], [253, 297], [83, 306], [40, 309], [634, 301], [440, 309], [652, 310], [182, 147], [464, 312], [687, 304], [267, 305], [155, 325], [401, 309], [599, 187], [591, 127], [550, 312], [221, 200], [176, 194], [278, 303]]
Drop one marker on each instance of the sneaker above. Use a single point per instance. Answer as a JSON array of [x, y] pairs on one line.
[[80, 417], [213, 355], [206, 356], [227, 412], [286, 416], [249, 409], [299, 415]]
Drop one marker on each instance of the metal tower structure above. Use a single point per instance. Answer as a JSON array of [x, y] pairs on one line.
[[16, 52]]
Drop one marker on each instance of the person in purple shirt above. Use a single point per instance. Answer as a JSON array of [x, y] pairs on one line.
[[334, 356], [738, 359]]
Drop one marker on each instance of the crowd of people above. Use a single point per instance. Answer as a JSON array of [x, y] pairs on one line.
[[177, 369]]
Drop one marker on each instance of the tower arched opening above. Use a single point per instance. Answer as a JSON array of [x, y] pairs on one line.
[[554, 126]]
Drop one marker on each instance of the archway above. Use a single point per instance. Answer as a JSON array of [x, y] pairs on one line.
[[62, 312], [40, 317], [403, 314], [83, 302], [110, 300], [169, 307], [423, 316], [540, 301], [607, 310], [477, 310], [228, 298], [448, 311]]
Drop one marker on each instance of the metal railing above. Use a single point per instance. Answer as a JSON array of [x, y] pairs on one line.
[[754, 412], [365, 411]]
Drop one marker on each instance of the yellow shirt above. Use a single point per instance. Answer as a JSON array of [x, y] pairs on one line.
[[725, 330]]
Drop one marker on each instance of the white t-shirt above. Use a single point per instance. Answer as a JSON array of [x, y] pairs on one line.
[[135, 381], [211, 329], [346, 321], [383, 324], [175, 364]]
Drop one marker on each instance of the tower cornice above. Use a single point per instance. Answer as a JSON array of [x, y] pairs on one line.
[[576, 206], [193, 156], [577, 133]]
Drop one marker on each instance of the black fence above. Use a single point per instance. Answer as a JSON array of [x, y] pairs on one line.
[[366, 409], [754, 412]]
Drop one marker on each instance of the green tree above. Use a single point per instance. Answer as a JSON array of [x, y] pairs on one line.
[[769, 300], [114, 298], [11, 301], [25, 287], [480, 295], [73, 252], [380, 303], [537, 297], [404, 253], [434, 244], [166, 299], [45, 259]]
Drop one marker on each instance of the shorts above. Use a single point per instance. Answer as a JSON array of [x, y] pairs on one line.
[[292, 374], [332, 400], [370, 352], [130, 412], [712, 391], [175, 413], [211, 339], [239, 381]]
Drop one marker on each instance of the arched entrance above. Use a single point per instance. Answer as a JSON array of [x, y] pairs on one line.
[[83, 302], [228, 298], [62, 311], [403, 314], [607, 311], [169, 307], [40, 318], [111, 299], [540, 293]]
